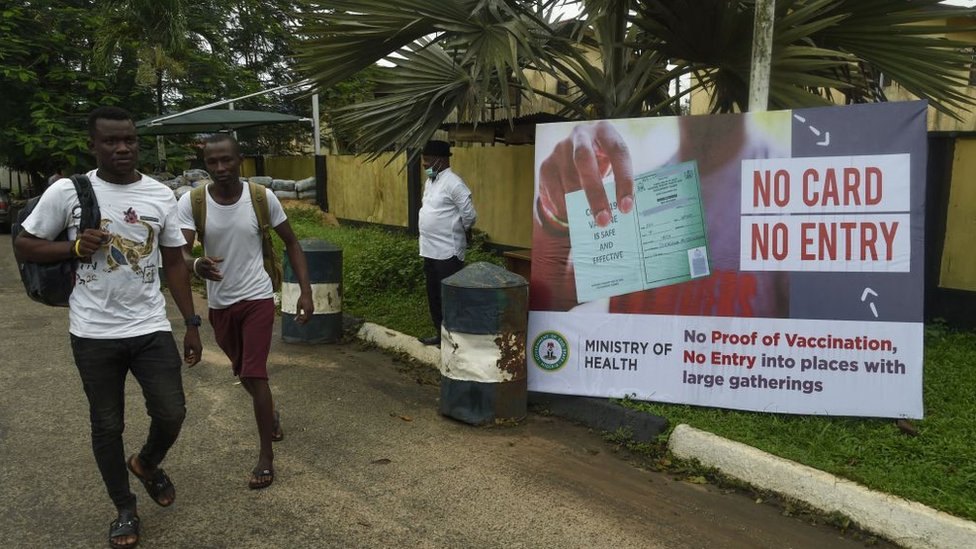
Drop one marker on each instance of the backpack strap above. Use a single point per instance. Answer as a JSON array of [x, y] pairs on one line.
[[259, 201], [198, 205], [91, 216]]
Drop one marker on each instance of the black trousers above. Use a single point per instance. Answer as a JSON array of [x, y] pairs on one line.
[[103, 365], [437, 270]]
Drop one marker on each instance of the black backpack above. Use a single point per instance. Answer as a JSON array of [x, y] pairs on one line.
[[51, 283]]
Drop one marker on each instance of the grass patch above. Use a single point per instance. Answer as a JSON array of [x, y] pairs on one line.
[[383, 283], [936, 468]]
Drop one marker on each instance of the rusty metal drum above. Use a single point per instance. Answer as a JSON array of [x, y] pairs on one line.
[[483, 362]]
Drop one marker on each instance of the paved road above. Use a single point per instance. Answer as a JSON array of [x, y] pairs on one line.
[[366, 462]]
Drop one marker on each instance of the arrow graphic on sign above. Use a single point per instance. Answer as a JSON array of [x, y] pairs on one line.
[[864, 297], [815, 131]]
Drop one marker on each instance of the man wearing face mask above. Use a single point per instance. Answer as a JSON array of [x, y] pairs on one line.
[[446, 215]]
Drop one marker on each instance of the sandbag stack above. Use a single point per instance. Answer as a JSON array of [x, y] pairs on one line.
[[284, 189], [306, 189]]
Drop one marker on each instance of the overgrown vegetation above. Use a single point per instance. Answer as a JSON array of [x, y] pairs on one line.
[[383, 283]]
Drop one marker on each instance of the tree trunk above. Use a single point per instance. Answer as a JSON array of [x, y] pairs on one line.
[[762, 53], [160, 140], [159, 92]]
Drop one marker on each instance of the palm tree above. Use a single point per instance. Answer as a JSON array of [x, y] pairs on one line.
[[621, 56], [155, 31], [155, 36], [159, 33]]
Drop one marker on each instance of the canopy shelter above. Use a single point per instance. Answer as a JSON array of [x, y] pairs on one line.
[[211, 121]]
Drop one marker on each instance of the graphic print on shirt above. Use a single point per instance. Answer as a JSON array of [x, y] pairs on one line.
[[85, 271], [127, 252]]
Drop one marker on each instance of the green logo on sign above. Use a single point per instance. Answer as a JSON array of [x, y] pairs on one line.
[[550, 351]]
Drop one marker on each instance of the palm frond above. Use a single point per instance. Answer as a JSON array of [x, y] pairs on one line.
[[621, 56], [422, 88]]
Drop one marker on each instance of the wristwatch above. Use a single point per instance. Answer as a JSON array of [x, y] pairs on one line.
[[193, 321]]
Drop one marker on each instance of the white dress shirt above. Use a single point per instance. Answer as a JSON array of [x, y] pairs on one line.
[[447, 212]]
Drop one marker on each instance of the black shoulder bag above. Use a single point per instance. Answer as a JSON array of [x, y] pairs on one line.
[[52, 283]]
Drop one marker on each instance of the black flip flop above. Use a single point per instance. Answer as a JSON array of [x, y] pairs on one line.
[[157, 485], [126, 524], [255, 484]]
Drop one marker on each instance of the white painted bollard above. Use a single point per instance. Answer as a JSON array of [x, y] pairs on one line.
[[483, 367], [325, 274]]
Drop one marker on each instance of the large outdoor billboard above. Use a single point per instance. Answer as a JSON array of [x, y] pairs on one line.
[[761, 261]]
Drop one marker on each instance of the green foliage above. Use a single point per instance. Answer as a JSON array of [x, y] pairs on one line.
[[391, 262], [457, 57], [61, 58], [47, 85], [480, 251], [382, 271], [357, 89]]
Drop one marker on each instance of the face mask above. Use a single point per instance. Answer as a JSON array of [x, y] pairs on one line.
[[432, 171]]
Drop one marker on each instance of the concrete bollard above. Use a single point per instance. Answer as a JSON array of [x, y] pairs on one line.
[[483, 365], [325, 274]]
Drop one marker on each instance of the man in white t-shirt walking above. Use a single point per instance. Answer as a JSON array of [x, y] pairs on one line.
[[239, 289], [446, 216], [117, 314]]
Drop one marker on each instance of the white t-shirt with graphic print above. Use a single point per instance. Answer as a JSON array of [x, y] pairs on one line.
[[116, 291], [232, 233]]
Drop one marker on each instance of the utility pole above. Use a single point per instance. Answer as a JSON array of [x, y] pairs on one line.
[[762, 54], [321, 168], [230, 107], [316, 136]]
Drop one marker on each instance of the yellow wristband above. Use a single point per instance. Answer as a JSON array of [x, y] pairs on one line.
[[77, 247]]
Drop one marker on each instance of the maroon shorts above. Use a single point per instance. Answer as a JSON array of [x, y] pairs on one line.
[[243, 331]]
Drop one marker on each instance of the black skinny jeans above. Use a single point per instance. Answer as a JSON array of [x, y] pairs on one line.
[[103, 365]]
